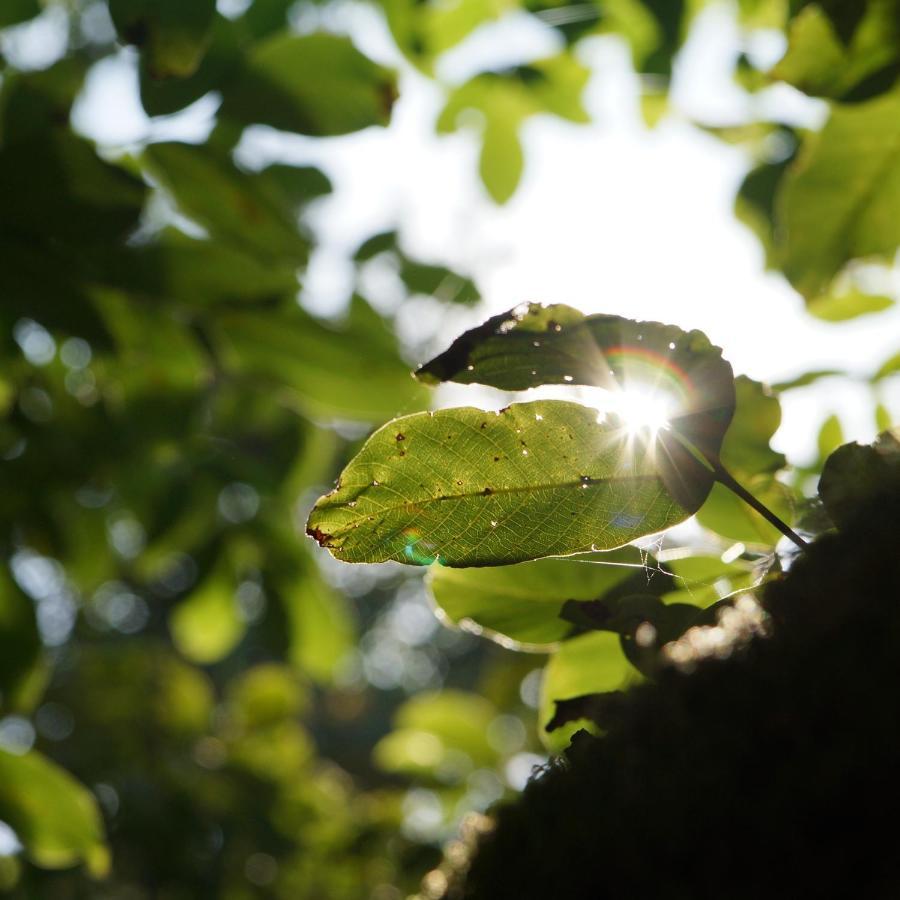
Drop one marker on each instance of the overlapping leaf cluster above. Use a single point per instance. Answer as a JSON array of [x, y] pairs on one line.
[[184, 706]]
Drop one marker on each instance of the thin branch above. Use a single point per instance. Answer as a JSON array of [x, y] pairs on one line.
[[724, 477]]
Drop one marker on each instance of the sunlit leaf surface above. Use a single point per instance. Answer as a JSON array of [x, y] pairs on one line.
[[468, 488]]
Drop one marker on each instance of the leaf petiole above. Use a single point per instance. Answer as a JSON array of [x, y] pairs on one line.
[[724, 477]]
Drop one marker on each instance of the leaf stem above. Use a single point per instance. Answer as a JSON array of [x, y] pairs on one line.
[[724, 477]]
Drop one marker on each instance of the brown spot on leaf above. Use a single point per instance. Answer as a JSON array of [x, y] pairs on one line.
[[321, 537]]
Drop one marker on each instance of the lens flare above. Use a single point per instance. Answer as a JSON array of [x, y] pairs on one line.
[[643, 410]]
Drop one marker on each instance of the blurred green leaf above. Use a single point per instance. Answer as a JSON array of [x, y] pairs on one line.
[[55, 817], [317, 84], [32, 103], [432, 726], [521, 603], [423, 31], [537, 479], [219, 64], [322, 365], [22, 674], [207, 625], [805, 379], [831, 436], [257, 212], [419, 277], [592, 663], [15, 11], [822, 62], [889, 367], [826, 220], [847, 305], [173, 35], [266, 695], [504, 100], [79, 200], [321, 626]]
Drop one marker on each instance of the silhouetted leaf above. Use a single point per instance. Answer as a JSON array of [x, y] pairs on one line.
[[522, 603], [856, 475], [54, 816], [598, 708], [533, 345], [537, 479]]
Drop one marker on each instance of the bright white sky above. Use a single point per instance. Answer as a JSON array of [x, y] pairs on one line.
[[610, 217]]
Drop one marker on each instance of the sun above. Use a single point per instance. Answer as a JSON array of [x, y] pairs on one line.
[[642, 410]]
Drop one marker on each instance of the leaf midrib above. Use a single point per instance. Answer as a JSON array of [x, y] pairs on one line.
[[466, 495]]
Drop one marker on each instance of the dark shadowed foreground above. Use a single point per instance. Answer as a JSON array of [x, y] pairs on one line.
[[772, 773]]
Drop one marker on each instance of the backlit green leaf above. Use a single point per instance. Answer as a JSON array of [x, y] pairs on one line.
[[521, 603], [826, 219], [470, 488], [592, 663]]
